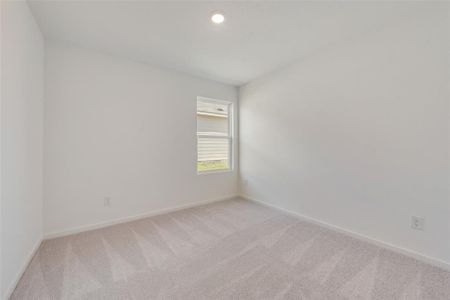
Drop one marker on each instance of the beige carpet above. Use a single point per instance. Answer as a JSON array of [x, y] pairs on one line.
[[227, 250]]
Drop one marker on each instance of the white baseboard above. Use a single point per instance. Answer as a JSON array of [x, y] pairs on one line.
[[22, 269], [421, 257], [75, 230]]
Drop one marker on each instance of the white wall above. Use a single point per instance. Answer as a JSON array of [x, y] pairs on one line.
[[357, 135], [125, 130], [22, 66]]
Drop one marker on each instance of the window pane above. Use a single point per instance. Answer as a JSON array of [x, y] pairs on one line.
[[213, 154], [208, 107], [212, 125], [212, 118]]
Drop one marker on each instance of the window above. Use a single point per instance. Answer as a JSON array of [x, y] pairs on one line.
[[214, 135]]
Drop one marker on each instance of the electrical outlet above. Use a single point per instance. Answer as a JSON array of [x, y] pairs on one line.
[[107, 201], [417, 223]]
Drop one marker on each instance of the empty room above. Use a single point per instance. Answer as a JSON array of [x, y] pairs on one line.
[[207, 150]]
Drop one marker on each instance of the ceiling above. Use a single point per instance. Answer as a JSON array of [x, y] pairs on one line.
[[256, 37]]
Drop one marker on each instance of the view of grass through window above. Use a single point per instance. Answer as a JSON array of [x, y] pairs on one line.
[[212, 165]]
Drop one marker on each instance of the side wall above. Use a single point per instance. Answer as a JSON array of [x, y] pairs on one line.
[[357, 135], [22, 68], [125, 131]]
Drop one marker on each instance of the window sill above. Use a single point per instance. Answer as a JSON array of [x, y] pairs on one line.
[[214, 172]]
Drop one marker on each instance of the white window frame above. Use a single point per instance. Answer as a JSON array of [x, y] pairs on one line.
[[230, 135]]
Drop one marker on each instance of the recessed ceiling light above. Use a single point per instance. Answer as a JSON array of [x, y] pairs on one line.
[[218, 18]]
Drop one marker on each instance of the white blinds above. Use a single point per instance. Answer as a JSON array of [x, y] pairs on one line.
[[210, 149]]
